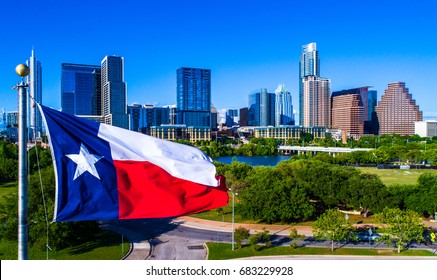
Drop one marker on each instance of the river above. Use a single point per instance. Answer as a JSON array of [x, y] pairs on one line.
[[254, 160]]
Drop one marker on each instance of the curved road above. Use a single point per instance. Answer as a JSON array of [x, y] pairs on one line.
[[168, 240], [178, 239]]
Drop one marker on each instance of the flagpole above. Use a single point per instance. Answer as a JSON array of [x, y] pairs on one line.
[[22, 70]]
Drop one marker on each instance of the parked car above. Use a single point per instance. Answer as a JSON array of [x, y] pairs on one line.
[[365, 236]]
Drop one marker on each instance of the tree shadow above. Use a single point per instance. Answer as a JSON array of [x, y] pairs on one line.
[[135, 230]]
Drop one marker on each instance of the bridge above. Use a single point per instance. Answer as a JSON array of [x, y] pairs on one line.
[[315, 150]]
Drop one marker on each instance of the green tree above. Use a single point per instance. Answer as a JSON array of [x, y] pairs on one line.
[[306, 138], [260, 240], [401, 227], [241, 234], [333, 226], [424, 199], [60, 235], [272, 195]]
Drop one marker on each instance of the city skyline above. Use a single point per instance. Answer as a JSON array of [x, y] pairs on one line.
[[366, 44]]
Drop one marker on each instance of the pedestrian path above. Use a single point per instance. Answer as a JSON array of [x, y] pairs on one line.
[[227, 227]]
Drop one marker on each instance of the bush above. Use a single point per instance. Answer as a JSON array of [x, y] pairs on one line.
[[240, 234]]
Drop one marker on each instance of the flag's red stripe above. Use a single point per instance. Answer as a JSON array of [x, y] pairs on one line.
[[147, 191]]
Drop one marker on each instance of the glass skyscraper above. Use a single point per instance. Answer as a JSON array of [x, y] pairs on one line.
[[309, 65], [261, 108], [34, 79], [114, 104], [284, 107], [193, 96], [142, 117], [80, 89]]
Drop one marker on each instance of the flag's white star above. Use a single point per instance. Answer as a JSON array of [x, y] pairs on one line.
[[85, 162]]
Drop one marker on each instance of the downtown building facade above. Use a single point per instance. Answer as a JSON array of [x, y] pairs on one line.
[[142, 117], [397, 111], [193, 97], [96, 92], [181, 132], [286, 132], [284, 107], [316, 102], [426, 128], [81, 89], [232, 117], [114, 95], [309, 65], [352, 110], [261, 110], [314, 91], [34, 80]]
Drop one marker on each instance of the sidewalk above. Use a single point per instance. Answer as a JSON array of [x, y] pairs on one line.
[[227, 227]]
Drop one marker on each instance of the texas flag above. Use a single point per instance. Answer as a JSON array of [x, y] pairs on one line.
[[105, 172]]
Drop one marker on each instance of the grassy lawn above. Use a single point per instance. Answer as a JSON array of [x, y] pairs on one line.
[[222, 251], [396, 176], [7, 188], [107, 246]]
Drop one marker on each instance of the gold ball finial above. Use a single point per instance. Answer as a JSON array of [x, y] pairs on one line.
[[22, 70]]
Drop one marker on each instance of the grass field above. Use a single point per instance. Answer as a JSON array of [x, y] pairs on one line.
[[7, 188], [396, 176], [222, 251], [107, 246]]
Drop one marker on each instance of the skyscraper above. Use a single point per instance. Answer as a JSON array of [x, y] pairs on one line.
[[261, 108], [348, 111], [397, 110], [284, 107], [114, 104], [193, 96], [81, 89], [316, 101], [142, 117], [232, 117], [34, 79], [309, 65]]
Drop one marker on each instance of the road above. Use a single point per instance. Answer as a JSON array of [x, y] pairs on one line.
[[168, 239]]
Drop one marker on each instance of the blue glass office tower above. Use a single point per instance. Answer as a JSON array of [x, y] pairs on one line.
[[309, 65], [142, 117], [80, 89], [231, 117], [261, 108], [193, 97]]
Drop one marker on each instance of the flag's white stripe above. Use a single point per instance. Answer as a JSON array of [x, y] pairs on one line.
[[179, 160]]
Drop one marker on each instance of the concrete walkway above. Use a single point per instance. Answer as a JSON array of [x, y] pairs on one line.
[[227, 227]]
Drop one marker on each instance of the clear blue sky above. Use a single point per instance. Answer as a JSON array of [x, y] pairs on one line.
[[246, 44]]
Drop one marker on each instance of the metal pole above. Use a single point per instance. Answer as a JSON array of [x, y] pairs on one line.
[[22, 172], [233, 201]]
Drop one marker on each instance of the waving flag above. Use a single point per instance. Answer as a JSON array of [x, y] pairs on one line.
[[105, 172]]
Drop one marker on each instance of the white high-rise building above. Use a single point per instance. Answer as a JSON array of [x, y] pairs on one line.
[[284, 107], [34, 79], [316, 100]]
